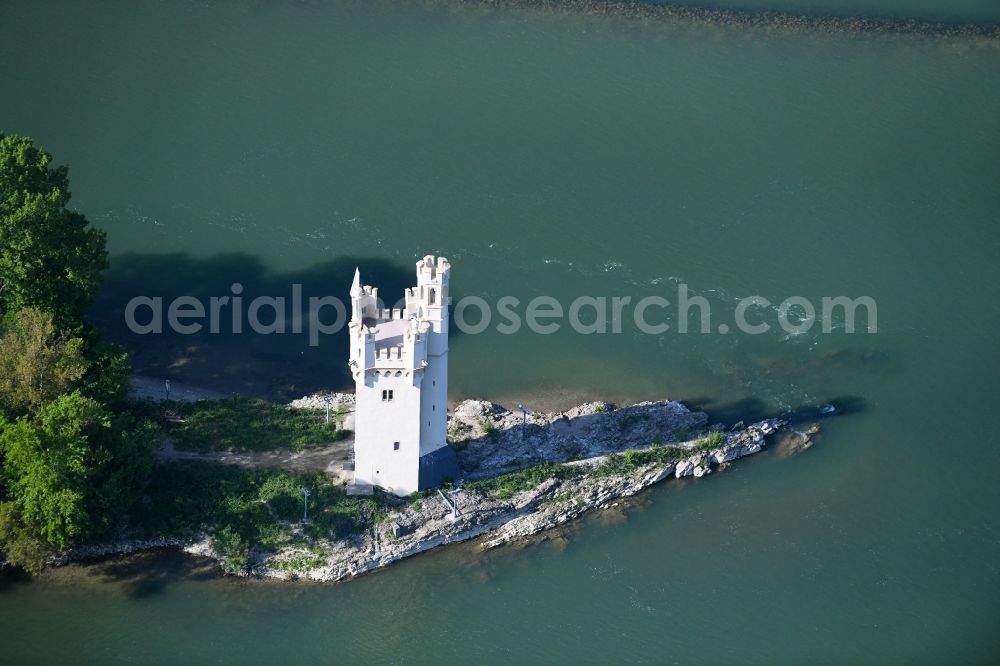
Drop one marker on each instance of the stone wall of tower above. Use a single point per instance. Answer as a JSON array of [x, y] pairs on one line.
[[414, 367], [433, 276], [380, 424]]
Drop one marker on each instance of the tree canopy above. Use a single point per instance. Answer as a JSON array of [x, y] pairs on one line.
[[36, 363], [50, 257], [70, 472], [72, 454]]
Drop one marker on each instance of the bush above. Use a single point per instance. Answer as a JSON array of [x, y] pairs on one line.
[[713, 440], [616, 463], [234, 550], [283, 493]]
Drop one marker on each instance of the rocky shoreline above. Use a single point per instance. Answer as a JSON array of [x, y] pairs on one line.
[[603, 455], [732, 18]]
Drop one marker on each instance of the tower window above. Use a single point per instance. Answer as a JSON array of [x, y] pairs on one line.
[[430, 296], [386, 395], [395, 446], [433, 408]]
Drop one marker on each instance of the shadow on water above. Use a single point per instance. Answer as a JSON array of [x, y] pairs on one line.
[[12, 577], [148, 574], [752, 409], [278, 366]]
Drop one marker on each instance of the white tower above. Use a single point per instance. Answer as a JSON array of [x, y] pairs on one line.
[[399, 361]]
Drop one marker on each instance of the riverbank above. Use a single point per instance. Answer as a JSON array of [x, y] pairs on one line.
[[521, 476]]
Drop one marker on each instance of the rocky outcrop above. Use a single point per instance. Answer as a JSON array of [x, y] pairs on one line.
[[491, 439], [124, 546], [551, 503], [319, 401]]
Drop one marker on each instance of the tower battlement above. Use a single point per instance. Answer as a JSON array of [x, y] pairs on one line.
[[432, 269]]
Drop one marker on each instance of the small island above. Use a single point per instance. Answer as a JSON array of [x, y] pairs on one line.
[[521, 476]]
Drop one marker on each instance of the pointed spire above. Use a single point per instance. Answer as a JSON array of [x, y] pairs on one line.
[[356, 286]]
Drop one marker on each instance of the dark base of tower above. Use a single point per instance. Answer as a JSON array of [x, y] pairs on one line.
[[437, 467]]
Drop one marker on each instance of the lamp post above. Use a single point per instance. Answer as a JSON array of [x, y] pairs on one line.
[[166, 388], [326, 399], [452, 503], [524, 418], [305, 506]]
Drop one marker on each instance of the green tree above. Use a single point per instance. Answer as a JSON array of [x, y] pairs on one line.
[[47, 461], [107, 376], [72, 455], [70, 472], [50, 257], [36, 364], [23, 546]]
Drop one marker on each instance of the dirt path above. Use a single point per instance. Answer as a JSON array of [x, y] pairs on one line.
[[329, 459], [155, 388]]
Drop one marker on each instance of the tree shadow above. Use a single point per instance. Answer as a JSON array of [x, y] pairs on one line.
[[149, 573], [12, 577], [276, 365]]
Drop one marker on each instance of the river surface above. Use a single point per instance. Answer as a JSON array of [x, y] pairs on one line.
[[555, 153]]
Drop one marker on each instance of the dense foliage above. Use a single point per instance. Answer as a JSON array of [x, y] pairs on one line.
[[50, 258], [71, 455], [243, 508], [36, 363]]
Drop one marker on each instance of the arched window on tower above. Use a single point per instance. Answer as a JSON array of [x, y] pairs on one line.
[[430, 296]]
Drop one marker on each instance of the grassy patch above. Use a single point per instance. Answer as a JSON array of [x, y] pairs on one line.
[[246, 424], [629, 420], [713, 440], [624, 463], [506, 486], [298, 562], [242, 508], [558, 498]]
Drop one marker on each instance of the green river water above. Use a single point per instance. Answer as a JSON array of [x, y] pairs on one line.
[[561, 154]]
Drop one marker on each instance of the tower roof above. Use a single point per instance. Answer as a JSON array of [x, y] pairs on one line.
[[356, 285]]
